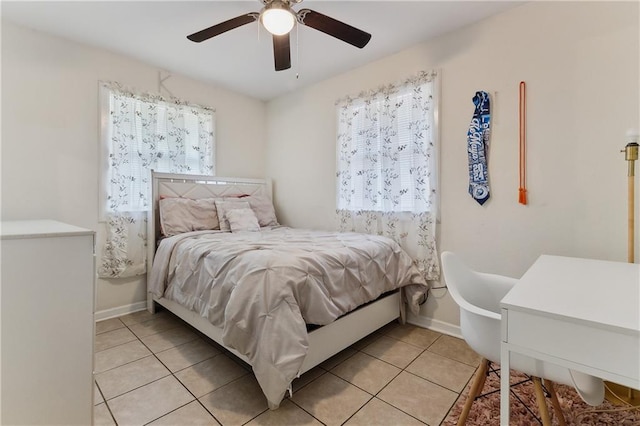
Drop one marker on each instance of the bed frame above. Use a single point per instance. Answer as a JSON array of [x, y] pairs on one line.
[[325, 341]]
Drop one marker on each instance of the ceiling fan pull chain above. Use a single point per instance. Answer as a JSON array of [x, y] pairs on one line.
[[297, 52]]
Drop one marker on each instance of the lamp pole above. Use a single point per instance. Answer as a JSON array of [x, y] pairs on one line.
[[631, 155]]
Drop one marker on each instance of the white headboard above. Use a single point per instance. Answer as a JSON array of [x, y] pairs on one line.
[[195, 187]]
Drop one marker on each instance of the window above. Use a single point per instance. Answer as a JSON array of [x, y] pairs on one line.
[[140, 133], [146, 132], [386, 149], [387, 166]]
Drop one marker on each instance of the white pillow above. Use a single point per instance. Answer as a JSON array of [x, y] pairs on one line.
[[224, 206], [178, 215], [242, 220]]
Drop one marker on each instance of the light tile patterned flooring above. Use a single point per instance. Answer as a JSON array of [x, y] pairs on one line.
[[155, 369]]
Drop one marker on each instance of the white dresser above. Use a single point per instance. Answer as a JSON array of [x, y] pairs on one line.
[[47, 324]]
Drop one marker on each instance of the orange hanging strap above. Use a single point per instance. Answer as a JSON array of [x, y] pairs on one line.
[[522, 196]]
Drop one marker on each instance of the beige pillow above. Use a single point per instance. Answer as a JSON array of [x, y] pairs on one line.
[[242, 220], [223, 206], [263, 208], [178, 215]]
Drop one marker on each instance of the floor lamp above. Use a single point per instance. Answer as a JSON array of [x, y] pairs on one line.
[[616, 392]]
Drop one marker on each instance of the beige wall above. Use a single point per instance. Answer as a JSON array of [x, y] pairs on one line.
[[50, 132], [580, 63]]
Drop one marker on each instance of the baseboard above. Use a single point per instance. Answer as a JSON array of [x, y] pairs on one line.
[[119, 311], [429, 323], [435, 325]]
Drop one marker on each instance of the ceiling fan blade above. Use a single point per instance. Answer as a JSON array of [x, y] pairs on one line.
[[222, 27], [334, 28], [281, 52]]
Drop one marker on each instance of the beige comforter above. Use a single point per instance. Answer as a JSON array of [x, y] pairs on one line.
[[262, 288]]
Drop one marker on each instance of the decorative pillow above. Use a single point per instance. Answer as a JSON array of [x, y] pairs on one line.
[[261, 206], [178, 215], [224, 206], [242, 220]]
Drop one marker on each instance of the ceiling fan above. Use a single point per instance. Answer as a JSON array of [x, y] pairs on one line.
[[279, 18]]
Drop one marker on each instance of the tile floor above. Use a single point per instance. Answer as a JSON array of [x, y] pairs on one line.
[[155, 369]]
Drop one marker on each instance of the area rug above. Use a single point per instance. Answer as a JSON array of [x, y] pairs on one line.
[[486, 410]]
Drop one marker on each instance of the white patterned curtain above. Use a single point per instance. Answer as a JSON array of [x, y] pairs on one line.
[[145, 132], [387, 167]]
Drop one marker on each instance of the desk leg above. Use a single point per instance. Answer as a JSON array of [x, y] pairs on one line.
[[504, 384]]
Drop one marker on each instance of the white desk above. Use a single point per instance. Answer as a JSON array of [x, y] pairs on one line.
[[580, 313]]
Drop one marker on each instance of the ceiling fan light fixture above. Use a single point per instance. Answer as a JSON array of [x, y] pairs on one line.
[[277, 18]]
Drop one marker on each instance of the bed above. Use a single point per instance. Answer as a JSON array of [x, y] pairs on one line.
[[281, 299]]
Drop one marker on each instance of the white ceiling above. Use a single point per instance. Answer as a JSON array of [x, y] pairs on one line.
[[242, 59]]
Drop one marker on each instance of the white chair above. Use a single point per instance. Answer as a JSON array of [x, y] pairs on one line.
[[478, 295]]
